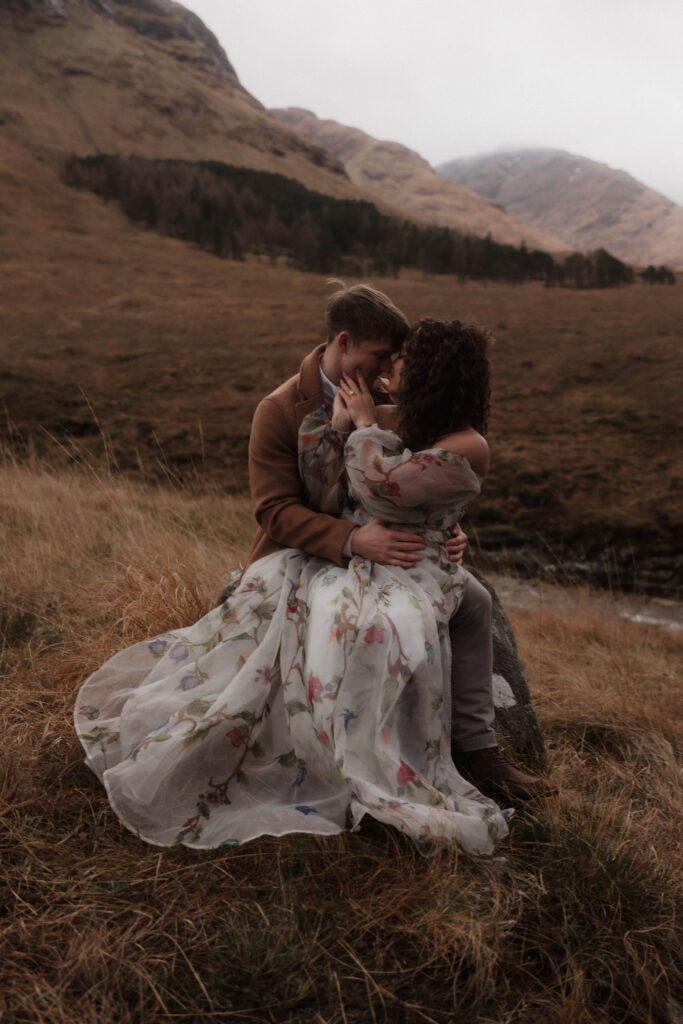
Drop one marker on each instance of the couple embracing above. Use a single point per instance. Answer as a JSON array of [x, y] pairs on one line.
[[349, 673]]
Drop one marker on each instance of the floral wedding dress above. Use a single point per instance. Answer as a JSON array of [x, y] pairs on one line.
[[315, 694]]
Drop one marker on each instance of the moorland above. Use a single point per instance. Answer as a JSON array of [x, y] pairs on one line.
[[130, 371], [575, 919], [131, 365], [126, 349]]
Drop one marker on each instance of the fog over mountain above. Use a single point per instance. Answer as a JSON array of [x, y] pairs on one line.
[[452, 79], [586, 203]]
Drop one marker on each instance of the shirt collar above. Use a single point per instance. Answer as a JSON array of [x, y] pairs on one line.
[[329, 389]]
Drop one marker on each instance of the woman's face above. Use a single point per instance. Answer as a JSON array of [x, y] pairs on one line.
[[394, 381]]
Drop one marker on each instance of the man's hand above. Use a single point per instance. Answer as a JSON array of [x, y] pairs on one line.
[[455, 545], [388, 547]]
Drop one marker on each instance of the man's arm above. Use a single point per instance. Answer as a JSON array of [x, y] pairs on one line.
[[278, 497], [277, 490]]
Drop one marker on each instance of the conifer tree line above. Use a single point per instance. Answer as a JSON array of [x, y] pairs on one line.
[[231, 211], [657, 275]]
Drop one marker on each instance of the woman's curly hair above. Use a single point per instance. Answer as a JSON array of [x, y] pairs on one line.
[[444, 381]]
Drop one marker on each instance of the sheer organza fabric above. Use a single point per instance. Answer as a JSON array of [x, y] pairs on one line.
[[316, 694]]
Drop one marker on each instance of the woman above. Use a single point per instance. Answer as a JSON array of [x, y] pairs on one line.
[[318, 694]]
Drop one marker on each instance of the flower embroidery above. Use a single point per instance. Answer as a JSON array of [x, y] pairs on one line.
[[349, 717], [189, 682], [315, 688], [405, 774], [374, 635], [178, 652]]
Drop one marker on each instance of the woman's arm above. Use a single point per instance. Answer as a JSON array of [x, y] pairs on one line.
[[390, 480], [321, 459]]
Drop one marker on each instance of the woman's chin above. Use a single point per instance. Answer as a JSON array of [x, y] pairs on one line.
[[387, 385]]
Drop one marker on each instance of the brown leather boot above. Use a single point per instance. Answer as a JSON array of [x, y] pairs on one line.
[[491, 772]]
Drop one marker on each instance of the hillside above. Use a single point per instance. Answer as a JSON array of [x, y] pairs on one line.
[[146, 78], [587, 204], [399, 176]]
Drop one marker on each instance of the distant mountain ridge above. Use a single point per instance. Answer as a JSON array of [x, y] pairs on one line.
[[586, 203], [399, 176]]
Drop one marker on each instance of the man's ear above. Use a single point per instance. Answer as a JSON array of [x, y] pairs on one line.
[[343, 341]]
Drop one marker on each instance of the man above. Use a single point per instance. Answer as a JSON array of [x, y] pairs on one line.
[[364, 330]]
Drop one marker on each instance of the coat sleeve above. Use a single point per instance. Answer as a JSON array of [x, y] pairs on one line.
[[278, 492]]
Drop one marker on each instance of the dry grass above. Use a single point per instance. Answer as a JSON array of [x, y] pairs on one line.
[[574, 922]]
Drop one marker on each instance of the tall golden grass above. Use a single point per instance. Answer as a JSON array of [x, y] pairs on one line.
[[573, 921]]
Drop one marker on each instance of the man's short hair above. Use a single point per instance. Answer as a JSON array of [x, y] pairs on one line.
[[366, 313]]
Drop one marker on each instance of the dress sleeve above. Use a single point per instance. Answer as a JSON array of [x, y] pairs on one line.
[[321, 462], [394, 483]]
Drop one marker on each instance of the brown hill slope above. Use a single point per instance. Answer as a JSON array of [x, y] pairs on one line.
[[143, 77], [583, 202], [400, 177]]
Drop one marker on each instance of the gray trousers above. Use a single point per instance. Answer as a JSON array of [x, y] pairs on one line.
[[472, 713]]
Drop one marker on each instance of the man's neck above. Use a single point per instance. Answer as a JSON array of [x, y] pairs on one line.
[[330, 366]]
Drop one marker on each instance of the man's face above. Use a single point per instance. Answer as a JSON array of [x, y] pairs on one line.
[[369, 358]]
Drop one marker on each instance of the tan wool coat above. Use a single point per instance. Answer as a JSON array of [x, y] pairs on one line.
[[277, 490]]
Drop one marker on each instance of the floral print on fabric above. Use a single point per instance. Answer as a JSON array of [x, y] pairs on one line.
[[315, 694]]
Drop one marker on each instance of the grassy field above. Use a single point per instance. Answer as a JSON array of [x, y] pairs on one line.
[[573, 921], [140, 353]]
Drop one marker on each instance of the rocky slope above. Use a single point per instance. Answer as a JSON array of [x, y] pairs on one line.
[[585, 203], [161, 20], [399, 176]]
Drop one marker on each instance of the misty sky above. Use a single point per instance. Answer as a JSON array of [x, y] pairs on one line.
[[450, 78]]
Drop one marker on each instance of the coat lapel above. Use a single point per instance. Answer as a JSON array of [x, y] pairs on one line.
[[311, 395]]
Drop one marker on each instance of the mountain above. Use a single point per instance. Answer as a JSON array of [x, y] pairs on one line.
[[394, 174], [587, 204], [141, 77]]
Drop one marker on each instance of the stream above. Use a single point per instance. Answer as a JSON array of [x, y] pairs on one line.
[[637, 608]]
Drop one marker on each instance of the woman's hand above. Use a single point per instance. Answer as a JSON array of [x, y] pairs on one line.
[[358, 401], [341, 417]]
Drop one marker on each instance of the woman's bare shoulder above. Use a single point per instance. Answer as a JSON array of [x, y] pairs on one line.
[[471, 445]]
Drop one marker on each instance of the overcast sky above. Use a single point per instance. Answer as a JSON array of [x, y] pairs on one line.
[[450, 78]]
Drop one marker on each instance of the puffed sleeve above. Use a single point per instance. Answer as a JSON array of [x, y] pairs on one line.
[[321, 462], [394, 483]]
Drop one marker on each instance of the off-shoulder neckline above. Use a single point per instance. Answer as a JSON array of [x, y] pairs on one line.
[[451, 455]]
